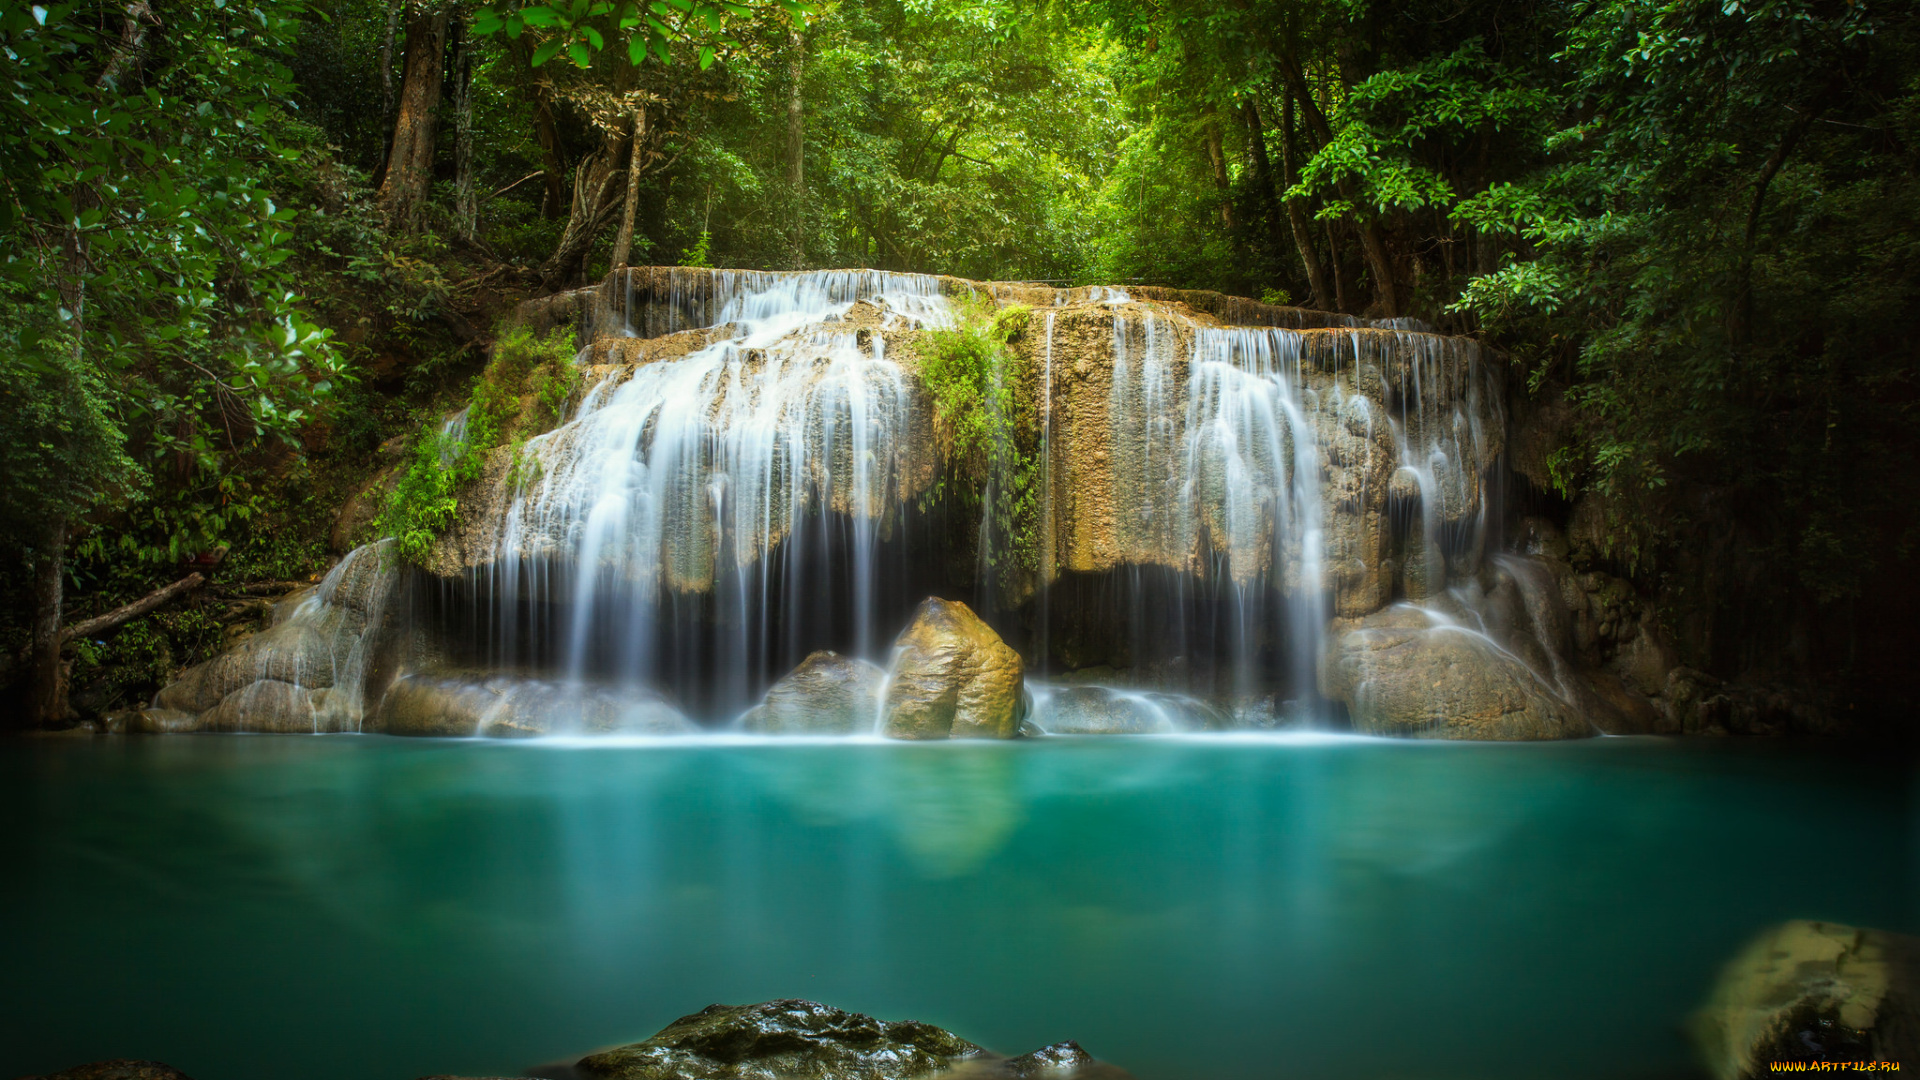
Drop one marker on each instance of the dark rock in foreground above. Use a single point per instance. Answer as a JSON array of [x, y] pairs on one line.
[[1809, 991], [793, 1039], [117, 1069]]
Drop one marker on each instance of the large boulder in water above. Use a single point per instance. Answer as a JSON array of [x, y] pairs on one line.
[[1810, 991], [826, 694], [788, 1039], [953, 678], [1405, 671], [507, 706]]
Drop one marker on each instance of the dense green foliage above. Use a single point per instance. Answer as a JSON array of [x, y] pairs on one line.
[[144, 298]]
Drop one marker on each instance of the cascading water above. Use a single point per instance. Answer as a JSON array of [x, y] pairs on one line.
[[647, 526]]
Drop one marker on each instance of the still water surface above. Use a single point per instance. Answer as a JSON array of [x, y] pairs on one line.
[[362, 907]]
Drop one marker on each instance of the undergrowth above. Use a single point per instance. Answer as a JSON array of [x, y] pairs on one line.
[[523, 390]]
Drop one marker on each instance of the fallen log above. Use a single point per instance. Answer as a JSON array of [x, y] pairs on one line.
[[128, 612]]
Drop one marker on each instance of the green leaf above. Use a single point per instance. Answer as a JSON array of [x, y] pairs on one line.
[[706, 57]]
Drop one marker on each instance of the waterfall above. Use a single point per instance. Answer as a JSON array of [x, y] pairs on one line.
[[736, 485], [646, 529]]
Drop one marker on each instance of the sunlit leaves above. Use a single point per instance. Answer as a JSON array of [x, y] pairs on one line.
[[581, 29]]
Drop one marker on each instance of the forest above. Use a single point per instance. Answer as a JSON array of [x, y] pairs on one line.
[[252, 243]]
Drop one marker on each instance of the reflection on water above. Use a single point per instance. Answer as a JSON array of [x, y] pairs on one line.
[[1187, 907]]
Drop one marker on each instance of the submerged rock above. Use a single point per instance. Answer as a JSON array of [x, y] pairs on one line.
[[788, 1039], [1812, 991], [953, 678], [507, 706], [1405, 671], [826, 694]]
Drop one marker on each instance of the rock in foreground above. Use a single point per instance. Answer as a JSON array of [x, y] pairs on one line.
[[794, 1039], [117, 1069], [826, 694], [788, 1040], [1811, 991], [953, 678]]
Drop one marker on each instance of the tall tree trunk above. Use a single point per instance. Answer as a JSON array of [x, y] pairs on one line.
[[623, 240], [466, 208], [403, 194], [1263, 171], [49, 706], [1386, 294], [1321, 295], [552, 164], [797, 147], [1216, 156], [386, 91]]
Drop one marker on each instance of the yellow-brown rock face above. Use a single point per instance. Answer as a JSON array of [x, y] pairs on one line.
[[953, 678]]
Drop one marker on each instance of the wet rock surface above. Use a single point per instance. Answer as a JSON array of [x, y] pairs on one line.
[[1403, 671], [1099, 710], [506, 706], [953, 677], [304, 674], [825, 694], [788, 1039], [1811, 991]]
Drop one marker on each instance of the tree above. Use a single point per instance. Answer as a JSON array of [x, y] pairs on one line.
[[150, 337]]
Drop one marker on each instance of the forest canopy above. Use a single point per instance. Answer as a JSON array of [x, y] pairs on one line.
[[247, 242]]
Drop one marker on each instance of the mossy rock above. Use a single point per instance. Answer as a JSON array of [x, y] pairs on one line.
[[1813, 991], [790, 1039]]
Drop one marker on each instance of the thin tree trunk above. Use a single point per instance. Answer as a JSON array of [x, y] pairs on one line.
[[133, 40], [623, 240], [797, 147], [1386, 295], [1263, 171], [386, 92], [466, 207], [551, 161], [1216, 156], [1321, 294], [403, 195], [1339, 274], [49, 706]]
